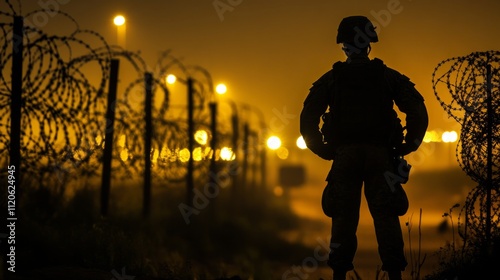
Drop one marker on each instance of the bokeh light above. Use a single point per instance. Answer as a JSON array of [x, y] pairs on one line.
[[119, 20], [197, 154], [124, 155], [282, 153], [156, 154], [201, 137], [221, 89], [273, 142], [432, 136], [449, 136], [171, 79], [184, 155], [278, 191], [301, 143], [226, 154], [122, 140]]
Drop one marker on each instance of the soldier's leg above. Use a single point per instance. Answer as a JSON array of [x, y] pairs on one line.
[[346, 180], [386, 222]]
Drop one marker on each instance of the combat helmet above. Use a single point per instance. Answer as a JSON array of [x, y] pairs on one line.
[[356, 30]]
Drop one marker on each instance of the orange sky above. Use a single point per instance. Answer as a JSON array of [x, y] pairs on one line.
[[269, 52]]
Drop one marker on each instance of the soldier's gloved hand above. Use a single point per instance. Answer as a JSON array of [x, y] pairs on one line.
[[324, 151]]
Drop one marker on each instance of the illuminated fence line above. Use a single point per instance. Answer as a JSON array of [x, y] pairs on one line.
[[58, 99], [472, 83], [64, 104], [63, 109]]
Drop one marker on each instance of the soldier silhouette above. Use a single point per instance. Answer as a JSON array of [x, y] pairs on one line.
[[362, 134]]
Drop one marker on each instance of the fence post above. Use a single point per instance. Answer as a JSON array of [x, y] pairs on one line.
[[263, 165], [246, 138], [234, 166], [148, 77], [14, 167], [190, 167], [108, 140], [16, 103], [213, 141], [489, 149]]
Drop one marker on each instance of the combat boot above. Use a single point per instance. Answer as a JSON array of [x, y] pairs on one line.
[[339, 274], [394, 275]]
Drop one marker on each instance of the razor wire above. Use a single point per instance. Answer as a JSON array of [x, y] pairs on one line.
[[461, 86], [473, 217], [465, 82], [63, 121], [58, 98]]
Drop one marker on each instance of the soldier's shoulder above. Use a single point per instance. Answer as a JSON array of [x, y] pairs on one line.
[[393, 75], [378, 61], [334, 71], [326, 78], [338, 65]]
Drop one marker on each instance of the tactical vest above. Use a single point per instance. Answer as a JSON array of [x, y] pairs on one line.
[[361, 106]]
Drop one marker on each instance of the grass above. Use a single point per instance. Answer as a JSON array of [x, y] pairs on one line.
[[467, 256], [236, 234], [416, 260]]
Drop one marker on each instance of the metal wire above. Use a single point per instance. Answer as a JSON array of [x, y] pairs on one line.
[[65, 80], [460, 85]]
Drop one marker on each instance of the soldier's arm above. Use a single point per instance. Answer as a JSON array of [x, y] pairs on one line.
[[411, 103], [315, 105]]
